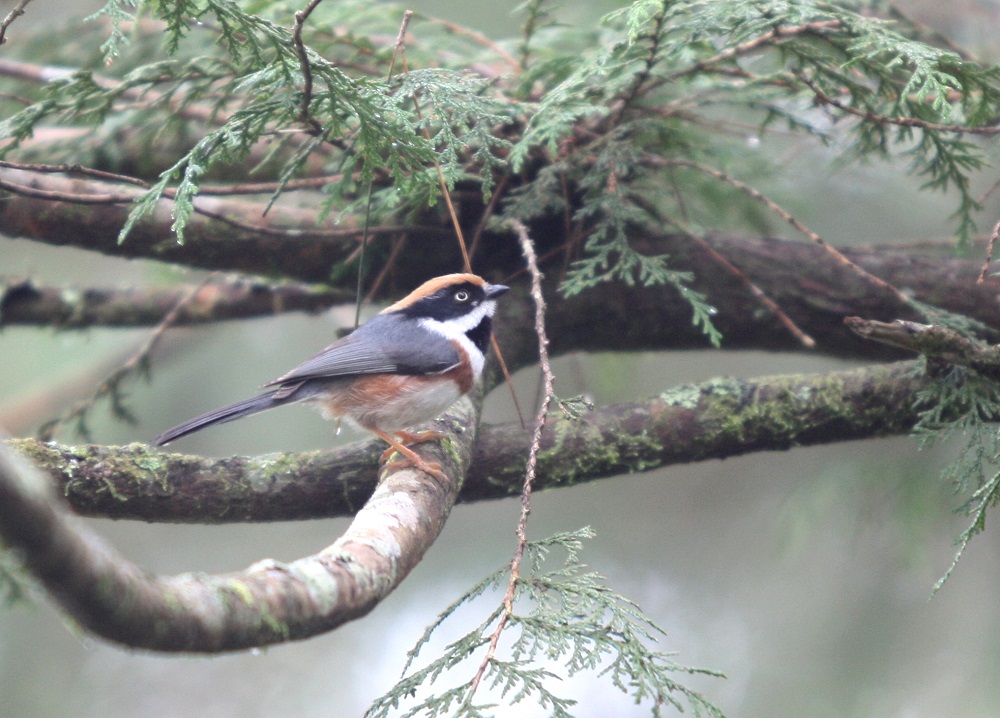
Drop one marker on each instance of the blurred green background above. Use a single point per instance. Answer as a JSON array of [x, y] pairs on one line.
[[805, 575]]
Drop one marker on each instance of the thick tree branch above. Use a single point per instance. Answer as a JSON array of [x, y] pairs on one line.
[[813, 291], [224, 234], [714, 420], [23, 302], [267, 603]]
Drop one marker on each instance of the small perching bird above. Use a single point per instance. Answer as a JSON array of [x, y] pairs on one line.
[[404, 366]]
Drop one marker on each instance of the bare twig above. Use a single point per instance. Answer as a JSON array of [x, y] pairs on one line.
[[110, 386], [807, 341], [475, 36], [528, 248], [218, 190], [477, 233], [932, 341], [792, 220], [826, 99], [307, 79], [994, 236], [16, 12], [400, 49]]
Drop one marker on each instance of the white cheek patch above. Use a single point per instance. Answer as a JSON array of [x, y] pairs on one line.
[[455, 330]]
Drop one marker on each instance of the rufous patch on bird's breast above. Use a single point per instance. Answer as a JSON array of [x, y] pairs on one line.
[[461, 374]]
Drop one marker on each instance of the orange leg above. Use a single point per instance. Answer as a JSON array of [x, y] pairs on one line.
[[412, 458]]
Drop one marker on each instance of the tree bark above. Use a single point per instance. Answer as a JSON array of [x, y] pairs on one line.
[[717, 419], [269, 602]]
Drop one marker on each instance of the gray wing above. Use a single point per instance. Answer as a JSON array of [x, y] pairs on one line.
[[386, 343]]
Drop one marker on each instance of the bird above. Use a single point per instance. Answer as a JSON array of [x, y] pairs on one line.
[[402, 367]]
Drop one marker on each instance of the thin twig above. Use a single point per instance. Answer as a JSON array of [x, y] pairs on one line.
[[989, 253], [397, 48], [109, 387], [387, 266], [16, 12], [400, 49], [536, 440], [300, 48], [778, 33], [804, 339], [931, 340], [930, 34], [477, 233], [792, 220], [826, 99], [475, 36]]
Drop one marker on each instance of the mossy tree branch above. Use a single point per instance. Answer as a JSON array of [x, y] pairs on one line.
[[717, 419]]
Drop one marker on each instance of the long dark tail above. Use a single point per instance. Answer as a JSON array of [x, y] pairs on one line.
[[221, 416]]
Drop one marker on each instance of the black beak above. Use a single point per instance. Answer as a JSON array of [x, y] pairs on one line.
[[495, 290]]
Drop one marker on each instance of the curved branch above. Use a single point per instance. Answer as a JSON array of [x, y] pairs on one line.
[[714, 420], [23, 302], [267, 603]]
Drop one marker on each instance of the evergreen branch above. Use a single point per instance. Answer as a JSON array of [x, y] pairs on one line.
[[912, 122], [571, 616], [654, 36], [536, 17], [965, 402], [130, 90], [760, 42]]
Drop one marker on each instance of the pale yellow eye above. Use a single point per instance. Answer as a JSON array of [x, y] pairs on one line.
[[461, 296]]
